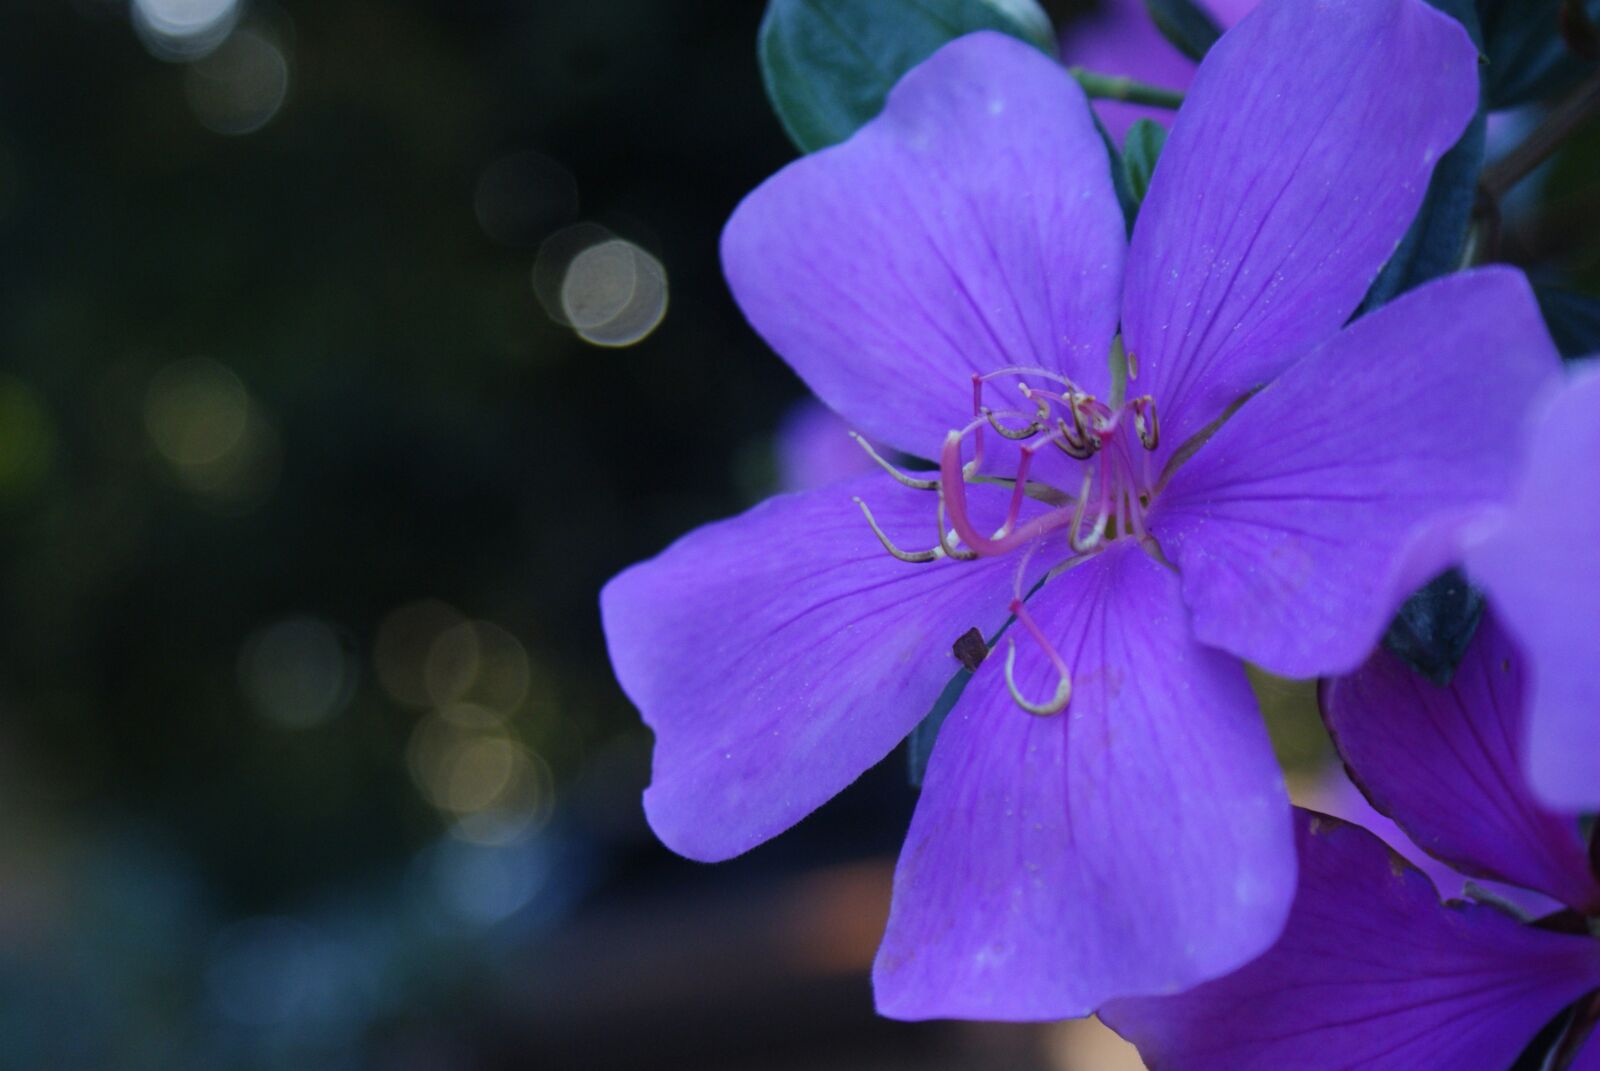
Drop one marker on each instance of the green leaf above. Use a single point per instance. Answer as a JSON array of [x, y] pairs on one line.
[[1035, 26], [1140, 150], [1190, 29], [1433, 245], [828, 64], [1573, 320], [1433, 628], [1528, 58], [1119, 175]]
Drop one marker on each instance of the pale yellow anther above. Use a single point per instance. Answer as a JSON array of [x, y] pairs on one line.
[[1057, 702], [1072, 444], [910, 481], [1146, 422], [1026, 432], [917, 557]]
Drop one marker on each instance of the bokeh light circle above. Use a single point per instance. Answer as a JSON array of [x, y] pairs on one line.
[[240, 86], [297, 673], [614, 293], [182, 30]]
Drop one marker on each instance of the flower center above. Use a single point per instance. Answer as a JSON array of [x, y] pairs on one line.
[[1113, 491], [1114, 477], [1108, 445]]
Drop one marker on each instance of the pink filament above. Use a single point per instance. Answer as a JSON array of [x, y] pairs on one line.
[[953, 486], [1094, 429]]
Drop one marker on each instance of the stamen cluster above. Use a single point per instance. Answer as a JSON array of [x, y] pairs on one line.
[[1113, 495]]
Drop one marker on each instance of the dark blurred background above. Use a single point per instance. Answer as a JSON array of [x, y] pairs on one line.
[[346, 348]]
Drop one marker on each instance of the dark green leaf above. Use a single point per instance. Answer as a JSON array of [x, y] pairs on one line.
[[1030, 20], [1433, 628], [1140, 150], [1573, 320], [828, 64], [1433, 245], [1183, 22], [1119, 175], [1529, 59]]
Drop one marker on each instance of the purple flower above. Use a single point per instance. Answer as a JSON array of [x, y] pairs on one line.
[[1121, 39], [1372, 971], [1102, 815], [1538, 560], [1336, 796]]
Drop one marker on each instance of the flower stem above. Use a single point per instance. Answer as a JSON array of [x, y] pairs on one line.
[[1108, 87], [1564, 119]]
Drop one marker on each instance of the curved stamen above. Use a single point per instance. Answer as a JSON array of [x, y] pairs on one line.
[[1119, 484], [1094, 415], [1027, 432], [954, 496], [1146, 422], [1063, 695], [1090, 418], [1026, 370], [1041, 400], [916, 557], [1075, 536], [1084, 543], [1021, 570], [1132, 520], [1039, 396], [1080, 448], [960, 554], [1063, 566], [1079, 442], [1019, 490], [972, 467], [910, 481]]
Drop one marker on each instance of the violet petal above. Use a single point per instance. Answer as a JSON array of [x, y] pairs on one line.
[[971, 226], [779, 654], [1542, 572], [1138, 842], [1336, 795], [1294, 168], [1305, 520], [1446, 765]]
